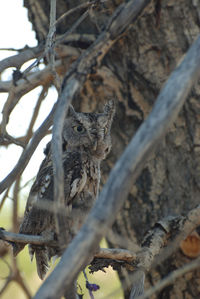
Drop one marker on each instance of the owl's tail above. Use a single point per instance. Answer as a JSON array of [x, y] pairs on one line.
[[42, 259], [17, 247]]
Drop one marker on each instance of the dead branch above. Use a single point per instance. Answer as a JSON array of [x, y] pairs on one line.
[[19, 59], [115, 254], [8, 279], [25, 239], [171, 278], [72, 28], [74, 9], [36, 112], [4, 198], [27, 153], [7, 139], [43, 75], [129, 165], [52, 28]]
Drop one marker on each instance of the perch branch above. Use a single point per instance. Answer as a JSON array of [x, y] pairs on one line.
[[170, 230], [103, 253], [126, 170], [26, 239], [115, 254]]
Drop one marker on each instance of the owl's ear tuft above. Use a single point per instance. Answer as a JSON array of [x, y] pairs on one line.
[[71, 111], [109, 108]]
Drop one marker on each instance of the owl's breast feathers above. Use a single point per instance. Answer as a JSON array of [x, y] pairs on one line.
[[80, 189]]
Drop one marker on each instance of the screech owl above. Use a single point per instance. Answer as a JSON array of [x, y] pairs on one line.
[[86, 142]]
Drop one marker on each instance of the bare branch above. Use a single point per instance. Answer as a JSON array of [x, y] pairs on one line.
[[8, 280], [27, 153], [72, 10], [129, 166], [50, 44], [115, 254], [72, 28], [52, 28], [20, 58], [4, 198], [7, 139], [43, 76], [171, 278], [36, 112], [25, 239], [5, 86], [18, 278]]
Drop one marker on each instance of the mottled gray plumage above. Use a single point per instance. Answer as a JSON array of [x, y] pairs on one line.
[[86, 142]]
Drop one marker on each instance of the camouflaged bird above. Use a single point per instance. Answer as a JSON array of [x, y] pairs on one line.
[[86, 142]]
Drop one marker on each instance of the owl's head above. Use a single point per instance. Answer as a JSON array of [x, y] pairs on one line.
[[89, 132]]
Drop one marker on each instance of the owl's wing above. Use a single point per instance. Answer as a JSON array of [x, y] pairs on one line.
[[43, 172], [38, 216], [41, 194]]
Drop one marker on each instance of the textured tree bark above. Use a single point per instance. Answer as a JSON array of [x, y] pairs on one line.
[[133, 72]]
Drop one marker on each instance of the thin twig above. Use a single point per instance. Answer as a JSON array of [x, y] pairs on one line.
[[11, 102], [16, 276], [72, 28], [72, 10], [8, 280], [59, 40], [36, 112], [27, 153], [171, 278], [20, 58], [50, 43], [7, 139], [4, 198], [23, 285], [52, 29]]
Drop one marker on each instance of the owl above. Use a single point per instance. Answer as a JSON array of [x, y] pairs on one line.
[[86, 142]]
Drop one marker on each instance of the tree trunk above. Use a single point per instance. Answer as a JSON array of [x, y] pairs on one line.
[[133, 72]]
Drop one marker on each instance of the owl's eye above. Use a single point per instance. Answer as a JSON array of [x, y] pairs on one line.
[[79, 129]]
